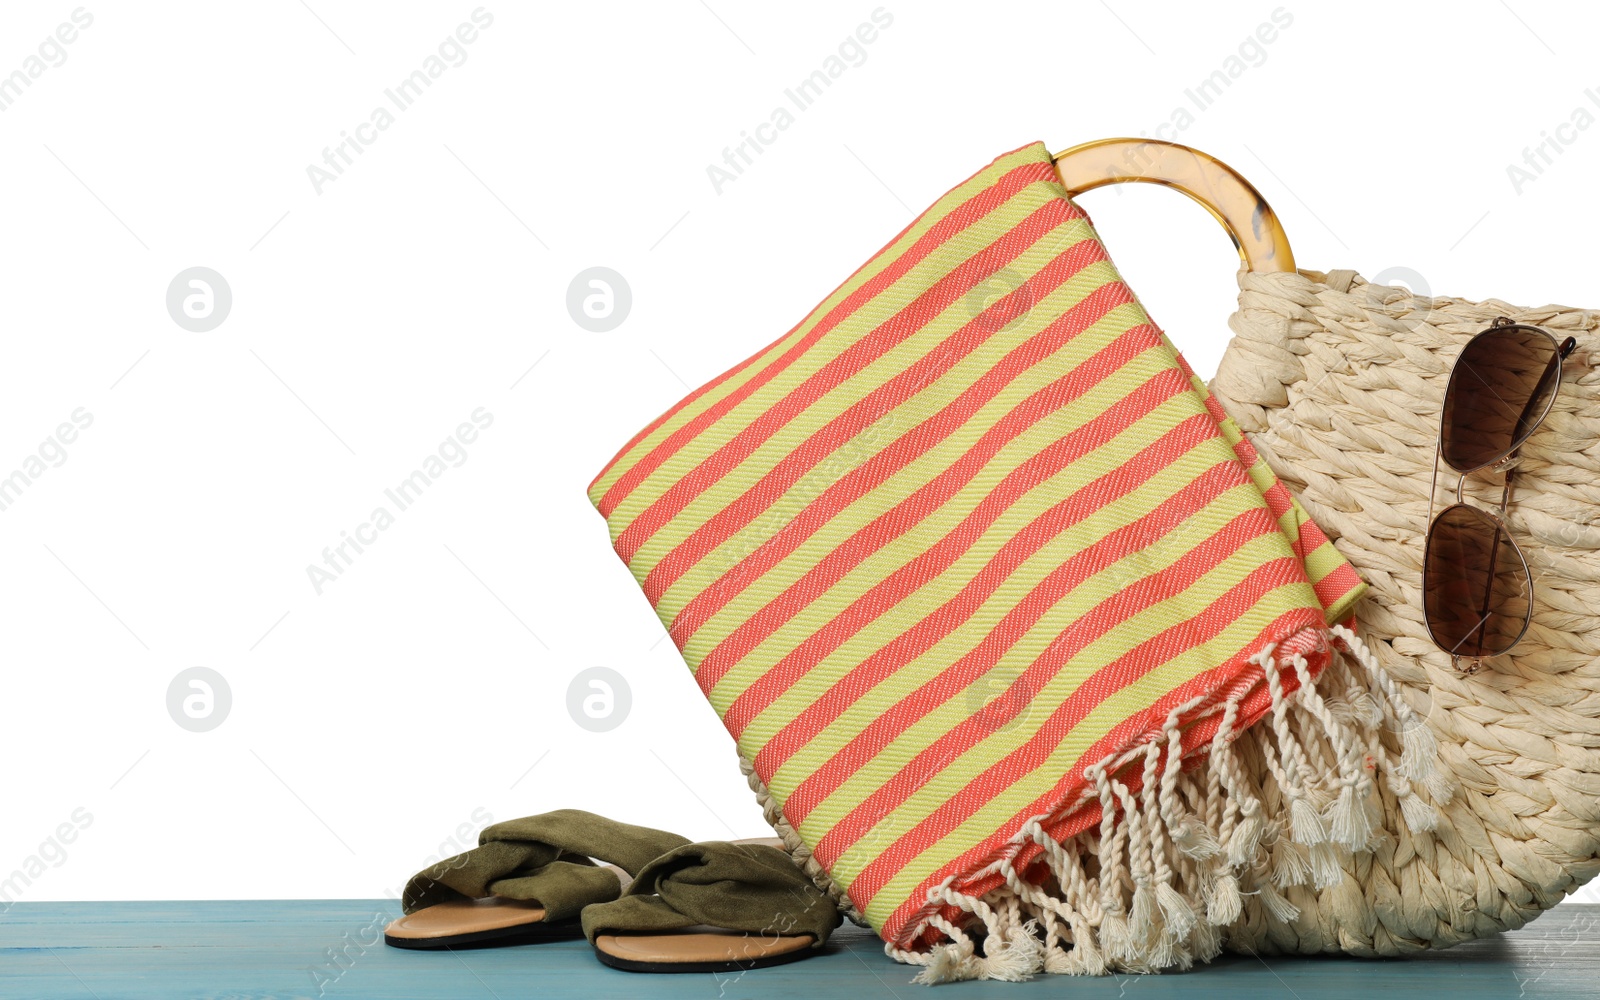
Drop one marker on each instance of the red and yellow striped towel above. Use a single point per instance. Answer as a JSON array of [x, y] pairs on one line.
[[962, 541]]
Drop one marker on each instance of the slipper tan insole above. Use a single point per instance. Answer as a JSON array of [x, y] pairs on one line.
[[472, 921], [699, 949], [465, 916]]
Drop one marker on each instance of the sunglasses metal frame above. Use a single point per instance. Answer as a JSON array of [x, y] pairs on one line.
[[1505, 461]]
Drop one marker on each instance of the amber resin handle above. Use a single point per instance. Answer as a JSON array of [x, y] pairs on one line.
[[1232, 200]]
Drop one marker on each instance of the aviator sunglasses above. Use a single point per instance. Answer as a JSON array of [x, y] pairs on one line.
[[1476, 588]]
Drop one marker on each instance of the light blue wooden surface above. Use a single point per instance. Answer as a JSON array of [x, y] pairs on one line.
[[285, 949]]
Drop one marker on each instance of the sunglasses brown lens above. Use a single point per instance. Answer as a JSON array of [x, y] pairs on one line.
[[1498, 391], [1475, 589]]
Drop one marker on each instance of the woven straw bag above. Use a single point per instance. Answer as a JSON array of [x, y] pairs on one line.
[[1337, 384]]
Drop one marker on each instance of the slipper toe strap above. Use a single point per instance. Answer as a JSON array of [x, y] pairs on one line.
[[742, 887], [543, 858], [562, 888]]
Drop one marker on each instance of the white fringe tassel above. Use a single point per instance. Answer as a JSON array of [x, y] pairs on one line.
[[1172, 866]]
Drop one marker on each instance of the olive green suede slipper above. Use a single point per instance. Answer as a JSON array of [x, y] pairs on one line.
[[712, 907], [527, 881]]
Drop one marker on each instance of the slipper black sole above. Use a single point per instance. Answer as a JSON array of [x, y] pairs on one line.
[[629, 965], [526, 934]]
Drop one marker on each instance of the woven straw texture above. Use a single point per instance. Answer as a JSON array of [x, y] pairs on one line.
[[1338, 384]]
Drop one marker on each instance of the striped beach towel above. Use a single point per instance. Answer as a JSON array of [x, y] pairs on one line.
[[976, 573]]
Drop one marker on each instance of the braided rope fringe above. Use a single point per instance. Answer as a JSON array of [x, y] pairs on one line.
[[1172, 867], [1165, 875]]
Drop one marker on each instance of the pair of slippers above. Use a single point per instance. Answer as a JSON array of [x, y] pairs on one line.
[[647, 900]]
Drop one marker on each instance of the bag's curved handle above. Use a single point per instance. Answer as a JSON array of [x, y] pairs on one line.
[[1232, 200]]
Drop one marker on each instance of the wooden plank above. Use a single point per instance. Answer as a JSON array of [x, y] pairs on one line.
[[282, 949]]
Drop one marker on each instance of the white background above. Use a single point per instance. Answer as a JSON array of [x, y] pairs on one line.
[[428, 683]]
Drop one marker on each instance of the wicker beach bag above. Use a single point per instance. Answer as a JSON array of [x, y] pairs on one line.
[[1337, 383]]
